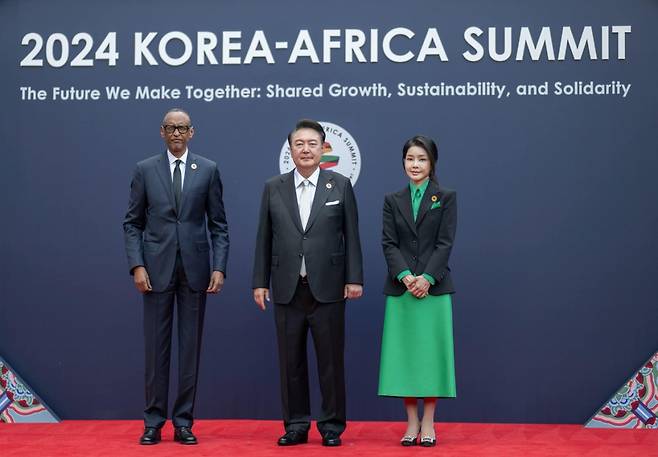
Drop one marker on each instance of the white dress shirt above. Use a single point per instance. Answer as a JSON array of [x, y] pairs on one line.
[[172, 166], [313, 180], [305, 207]]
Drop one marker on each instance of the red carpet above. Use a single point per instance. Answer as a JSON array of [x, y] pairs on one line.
[[258, 438]]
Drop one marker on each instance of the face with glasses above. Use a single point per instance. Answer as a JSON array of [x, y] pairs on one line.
[[176, 129]]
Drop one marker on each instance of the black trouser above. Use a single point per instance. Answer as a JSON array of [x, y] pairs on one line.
[[158, 318], [327, 324]]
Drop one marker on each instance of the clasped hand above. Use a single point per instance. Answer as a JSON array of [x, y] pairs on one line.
[[417, 285]]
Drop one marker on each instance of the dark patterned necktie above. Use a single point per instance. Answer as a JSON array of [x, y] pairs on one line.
[[178, 184]]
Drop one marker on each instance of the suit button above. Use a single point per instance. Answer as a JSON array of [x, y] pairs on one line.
[[301, 255], [306, 238], [414, 257]]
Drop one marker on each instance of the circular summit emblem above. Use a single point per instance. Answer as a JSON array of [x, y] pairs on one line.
[[340, 153]]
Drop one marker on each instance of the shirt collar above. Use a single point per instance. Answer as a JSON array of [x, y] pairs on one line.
[[173, 158], [422, 186], [313, 179]]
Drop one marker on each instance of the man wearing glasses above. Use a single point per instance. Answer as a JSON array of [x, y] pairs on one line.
[[175, 201]]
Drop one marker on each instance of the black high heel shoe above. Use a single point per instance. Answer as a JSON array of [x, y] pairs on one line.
[[409, 440], [427, 441]]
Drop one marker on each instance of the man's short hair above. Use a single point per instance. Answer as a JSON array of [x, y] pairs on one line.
[[307, 124], [177, 110]]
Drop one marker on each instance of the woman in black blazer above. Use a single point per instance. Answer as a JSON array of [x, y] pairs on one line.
[[417, 359]]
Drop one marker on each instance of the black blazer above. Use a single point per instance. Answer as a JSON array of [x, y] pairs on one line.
[[330, 244], [422, 246], [154, 231]]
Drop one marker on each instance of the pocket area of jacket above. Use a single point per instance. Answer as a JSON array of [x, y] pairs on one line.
[[338, 258]]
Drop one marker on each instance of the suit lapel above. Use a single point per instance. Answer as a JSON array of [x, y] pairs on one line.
[[403, 199], [322, 191], [164, 171], [191, 172], [426, 202], [289, 196]]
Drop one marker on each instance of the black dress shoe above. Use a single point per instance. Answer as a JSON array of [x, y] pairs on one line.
[[151, 435], [293, 437], [184, 435], [331, 439]]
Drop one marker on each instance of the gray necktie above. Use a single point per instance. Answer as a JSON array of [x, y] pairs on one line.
[[304, 212], [305, 202], [178, 184]]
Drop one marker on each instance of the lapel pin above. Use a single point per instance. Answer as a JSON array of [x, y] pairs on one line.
[[434, 198], [329, 185], [193, 166]]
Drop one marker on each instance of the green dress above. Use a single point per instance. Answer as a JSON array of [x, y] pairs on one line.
[[417, 358]]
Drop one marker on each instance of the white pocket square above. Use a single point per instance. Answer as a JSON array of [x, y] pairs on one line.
[[335, 202]]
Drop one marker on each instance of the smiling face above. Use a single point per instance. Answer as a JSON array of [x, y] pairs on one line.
[[306, 150], [417, 164], [170, 130]]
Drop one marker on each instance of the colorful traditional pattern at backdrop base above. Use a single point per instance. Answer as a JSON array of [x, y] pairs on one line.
[[635, 405], [18, 403]]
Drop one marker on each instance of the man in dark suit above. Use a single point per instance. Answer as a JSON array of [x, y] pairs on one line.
[[308, 245], [175, 201]]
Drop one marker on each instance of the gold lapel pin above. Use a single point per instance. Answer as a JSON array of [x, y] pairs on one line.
[[193, 166], [434, 198]]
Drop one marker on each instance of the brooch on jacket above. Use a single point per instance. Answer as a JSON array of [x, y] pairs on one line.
[[436, 202]]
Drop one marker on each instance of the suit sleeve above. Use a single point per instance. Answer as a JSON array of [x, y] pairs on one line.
[[263, 254], [391, 242], [217, 225], [353, 255], [135, 221], [438, 261]]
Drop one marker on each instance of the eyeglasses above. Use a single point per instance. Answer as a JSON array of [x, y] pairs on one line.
[[182, 129]]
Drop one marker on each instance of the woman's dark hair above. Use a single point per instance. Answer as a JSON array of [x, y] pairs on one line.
[[428, 145]]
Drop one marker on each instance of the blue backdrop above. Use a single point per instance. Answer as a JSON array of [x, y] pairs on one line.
[[555, 256]]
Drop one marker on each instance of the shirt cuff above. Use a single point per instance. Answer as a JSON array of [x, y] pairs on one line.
[[403, 274], [429, 278]]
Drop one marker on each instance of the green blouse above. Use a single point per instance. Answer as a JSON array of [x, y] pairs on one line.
[[417, 193]]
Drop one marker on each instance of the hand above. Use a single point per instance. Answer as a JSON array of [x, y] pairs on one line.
[[420, 287], [353, 291], [141, 278], [409, 281], [260, 295], [216, 282]]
